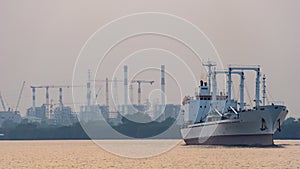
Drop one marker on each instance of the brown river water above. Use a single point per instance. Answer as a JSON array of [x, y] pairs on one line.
[[87, 154]]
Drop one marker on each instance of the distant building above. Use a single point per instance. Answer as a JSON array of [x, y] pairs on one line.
[[9, 116], [63, 116], [114, 118], [172, 110], [38, 113], [90, 113], [156, 111], [160, 112]]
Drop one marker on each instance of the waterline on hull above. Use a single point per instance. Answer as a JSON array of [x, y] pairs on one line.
[[244, 140]]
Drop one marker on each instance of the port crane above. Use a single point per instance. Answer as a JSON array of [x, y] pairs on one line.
[[139, 82]]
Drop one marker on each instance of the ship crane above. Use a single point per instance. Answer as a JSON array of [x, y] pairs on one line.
[[242, 84], [2, 102], [139, 82], [20, 95], [257, 83]]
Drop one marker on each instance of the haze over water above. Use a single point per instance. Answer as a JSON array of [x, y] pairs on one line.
[[86, 154], [41, 40]]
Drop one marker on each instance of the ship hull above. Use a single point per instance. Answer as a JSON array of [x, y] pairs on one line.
[[249, 140], [247, 130]]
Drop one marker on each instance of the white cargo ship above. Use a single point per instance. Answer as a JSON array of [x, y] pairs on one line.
[[217, 119]]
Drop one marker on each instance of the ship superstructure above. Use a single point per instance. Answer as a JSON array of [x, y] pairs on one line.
[[216, 118]]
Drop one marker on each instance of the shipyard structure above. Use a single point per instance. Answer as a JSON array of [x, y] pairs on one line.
[[60, 114]]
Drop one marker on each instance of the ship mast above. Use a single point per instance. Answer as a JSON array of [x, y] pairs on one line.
[[264, 90], [209, 66]]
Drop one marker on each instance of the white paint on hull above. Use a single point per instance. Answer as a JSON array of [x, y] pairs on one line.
[[248, 125]]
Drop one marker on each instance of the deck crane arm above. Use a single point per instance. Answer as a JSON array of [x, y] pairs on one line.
[[20, 95], [2, 102]]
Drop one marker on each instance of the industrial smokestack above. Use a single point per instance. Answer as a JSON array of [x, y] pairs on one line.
[[47, 102], [125, 88], [88, 94], [106, 93], [60, 100], [163, 84], [131, 93], [115, 93], [33, 99]]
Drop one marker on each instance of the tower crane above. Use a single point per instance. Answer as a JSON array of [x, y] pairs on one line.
[[139, 82]]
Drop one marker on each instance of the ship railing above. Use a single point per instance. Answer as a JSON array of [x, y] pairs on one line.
[[186, 124]]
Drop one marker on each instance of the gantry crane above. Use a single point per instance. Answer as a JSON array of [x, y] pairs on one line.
[[47, 94], [139, 82]]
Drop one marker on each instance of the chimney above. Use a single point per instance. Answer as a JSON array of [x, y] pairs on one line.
[[60, 99], [88, 94], [33, 99], [125, 88], [163, 99]]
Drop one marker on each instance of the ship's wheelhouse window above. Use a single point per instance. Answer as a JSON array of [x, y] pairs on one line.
[[200, 106]]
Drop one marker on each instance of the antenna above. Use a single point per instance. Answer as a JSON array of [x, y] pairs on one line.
[[264, 90]]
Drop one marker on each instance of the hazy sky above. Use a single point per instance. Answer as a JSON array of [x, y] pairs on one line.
[[40, 40]]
